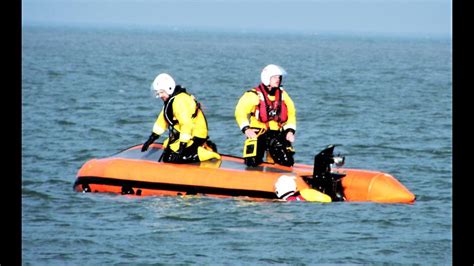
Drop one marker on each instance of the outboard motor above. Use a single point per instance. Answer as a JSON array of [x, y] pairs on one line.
[[322, 179]]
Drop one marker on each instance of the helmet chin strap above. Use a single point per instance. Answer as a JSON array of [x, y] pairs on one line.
[[287, 195]]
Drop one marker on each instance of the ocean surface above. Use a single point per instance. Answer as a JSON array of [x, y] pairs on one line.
[[86, 94]]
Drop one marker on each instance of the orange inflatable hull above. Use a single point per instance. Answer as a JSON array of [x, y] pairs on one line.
[[137, 173]]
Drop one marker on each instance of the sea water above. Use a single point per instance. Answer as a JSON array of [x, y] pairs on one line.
[[85, 94]]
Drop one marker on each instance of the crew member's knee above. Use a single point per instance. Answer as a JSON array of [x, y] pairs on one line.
[[283, 158], [168, 157]]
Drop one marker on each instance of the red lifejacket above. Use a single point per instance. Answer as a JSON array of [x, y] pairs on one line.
[[297, 198], [271, 110]]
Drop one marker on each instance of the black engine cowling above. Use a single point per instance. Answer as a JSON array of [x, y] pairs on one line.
[[323, 179]]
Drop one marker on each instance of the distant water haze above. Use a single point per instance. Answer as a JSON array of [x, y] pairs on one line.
[[402, 17]]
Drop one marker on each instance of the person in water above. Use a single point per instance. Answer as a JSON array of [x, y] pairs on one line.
[[272, 122], [286, 190], [188, 139]]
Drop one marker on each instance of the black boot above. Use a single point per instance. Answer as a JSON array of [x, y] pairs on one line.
[[252, 161]]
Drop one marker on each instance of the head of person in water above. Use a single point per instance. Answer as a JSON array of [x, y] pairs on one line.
[[285, 186]]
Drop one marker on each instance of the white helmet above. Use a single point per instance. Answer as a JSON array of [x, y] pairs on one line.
[[163, 82], [285, 186], [270, 71]]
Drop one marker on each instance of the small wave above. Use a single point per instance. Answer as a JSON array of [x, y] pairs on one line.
[[35, 194], [122, 121], [274, 260], [182, 218], [53, 73], [65, 123], [135, 217]]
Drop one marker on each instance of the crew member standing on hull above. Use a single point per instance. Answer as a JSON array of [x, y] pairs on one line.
[[181, 114], [266, 115]]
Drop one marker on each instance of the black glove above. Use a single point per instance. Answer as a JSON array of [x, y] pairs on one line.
[[178, 155], [149, 141]]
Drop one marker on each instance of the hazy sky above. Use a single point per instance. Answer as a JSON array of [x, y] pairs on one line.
[[426, 17]]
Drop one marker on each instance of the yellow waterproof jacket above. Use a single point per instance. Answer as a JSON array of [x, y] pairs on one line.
[[245, 112], [183, 108]]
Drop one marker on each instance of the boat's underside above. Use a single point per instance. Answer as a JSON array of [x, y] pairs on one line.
[[139, 173]]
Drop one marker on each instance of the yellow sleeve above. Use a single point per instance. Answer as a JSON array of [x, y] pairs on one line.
[[291, 122], [160, 124], [184, 107], [244, 107]]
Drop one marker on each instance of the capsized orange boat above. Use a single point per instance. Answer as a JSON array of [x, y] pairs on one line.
[[140, 173]]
